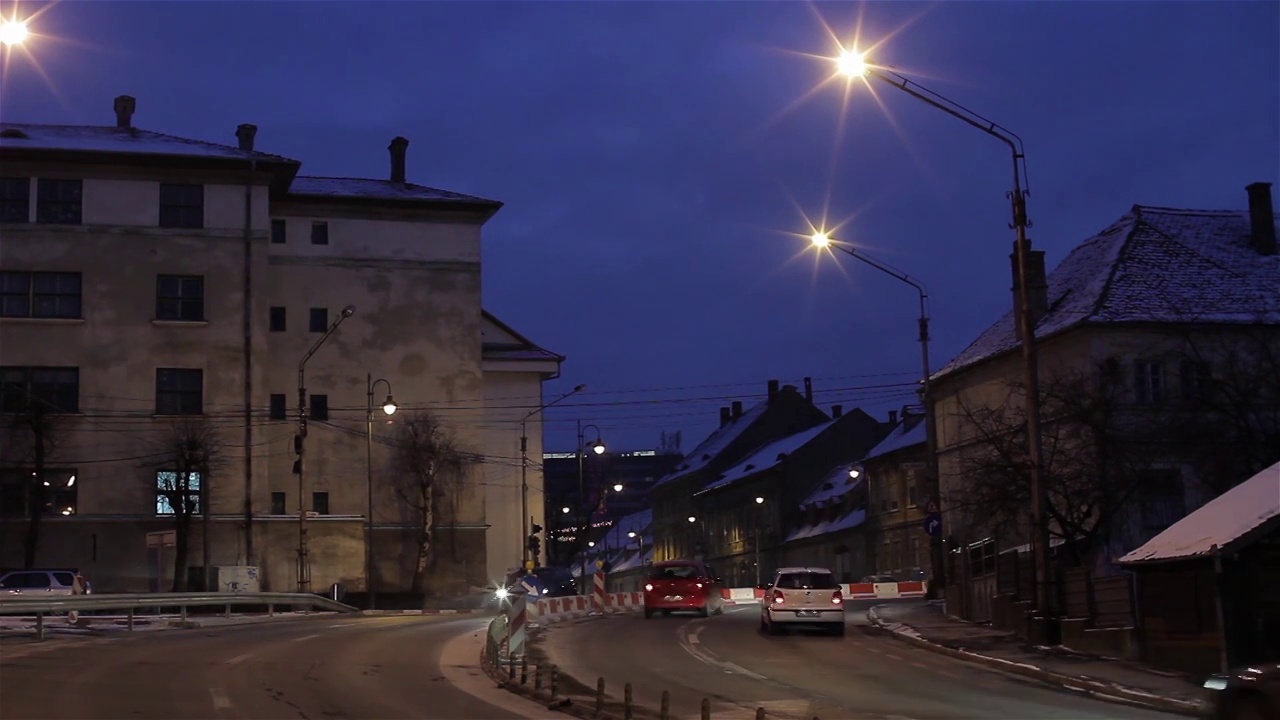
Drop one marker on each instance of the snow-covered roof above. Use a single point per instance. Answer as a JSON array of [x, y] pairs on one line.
[[1224, 521], [1152, 265], [336, 187], [132, 141], [848, 521], [911, 431], [768, 456], [837, 483], [715, 444]]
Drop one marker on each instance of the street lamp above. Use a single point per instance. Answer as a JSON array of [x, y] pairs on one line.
[[524, 476], [617, 487], [640, 541], [583, 519], [759, 536], [299, 440], [389, 408], [853, 64], [13, 32]]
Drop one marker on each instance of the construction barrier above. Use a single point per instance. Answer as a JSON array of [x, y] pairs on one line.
[[597, 593], [852, 591], [516, 620]]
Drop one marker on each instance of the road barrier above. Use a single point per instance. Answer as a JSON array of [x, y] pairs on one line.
[[852, 591], [40, 606]]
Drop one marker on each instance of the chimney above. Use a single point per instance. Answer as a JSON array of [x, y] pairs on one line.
[[245, 134], [125, 105], [737, 408], [893, 417], [836, 411], [398, 147], [1037, 285], [1262, 218], [808, 389], [773, 390], [724, 416]]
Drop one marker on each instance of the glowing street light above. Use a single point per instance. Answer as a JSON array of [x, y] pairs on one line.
[[632, 534], [617, 487], [565, 509], [13, 32], [759, 501], [693, 519], [853, 64], [820, 239], [853, 473]]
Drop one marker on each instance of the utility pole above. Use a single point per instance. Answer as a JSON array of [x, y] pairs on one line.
[[524, 474]]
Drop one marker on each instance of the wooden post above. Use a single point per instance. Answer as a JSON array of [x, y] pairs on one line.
[[599, 696]]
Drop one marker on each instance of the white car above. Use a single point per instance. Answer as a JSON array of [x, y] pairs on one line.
[[802, 597]]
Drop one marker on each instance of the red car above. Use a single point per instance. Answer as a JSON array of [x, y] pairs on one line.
[[684, 585]]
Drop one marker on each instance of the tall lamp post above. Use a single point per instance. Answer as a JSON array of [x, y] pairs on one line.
[[640, 540], [389, 408], [299, 441], [524, 476], [822, 240], [759, 536], [583, 518], [853, 64]]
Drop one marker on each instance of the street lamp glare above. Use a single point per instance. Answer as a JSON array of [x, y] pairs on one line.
[[617, 487], [820, 239], [853, 473], [348, 311], [13, 32], [591, 543], [631, 534], [565, 509], [693, 519], [759, 501], [389, 407], [852, 63], [598, 447]]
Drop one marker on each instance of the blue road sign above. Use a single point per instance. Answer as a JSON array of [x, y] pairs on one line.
[[933, 525]]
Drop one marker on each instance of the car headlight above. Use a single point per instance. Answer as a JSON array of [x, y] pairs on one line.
[[1215, 683], [501, 593]]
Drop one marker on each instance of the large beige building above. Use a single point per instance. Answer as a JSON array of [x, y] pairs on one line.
[[149, 279]]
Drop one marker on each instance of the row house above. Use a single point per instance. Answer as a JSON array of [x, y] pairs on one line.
[[1159, 362], [784, 412], [830, 532], [899, 501], [744, 515], [151, 282]]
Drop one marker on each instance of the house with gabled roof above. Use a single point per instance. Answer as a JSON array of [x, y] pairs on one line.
[[748, 511], [149, 281], [830, 532], [899, 498], [678, 530], [1168, 322]]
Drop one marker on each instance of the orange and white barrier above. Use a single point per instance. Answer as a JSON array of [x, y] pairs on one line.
[[852, 591]]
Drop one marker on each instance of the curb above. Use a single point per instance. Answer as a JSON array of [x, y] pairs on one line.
[[1100, 690], [396, 613]]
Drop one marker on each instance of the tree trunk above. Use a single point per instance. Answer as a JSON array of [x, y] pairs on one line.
[[181, 549], [424, 542], [36, 497], [206, 517]]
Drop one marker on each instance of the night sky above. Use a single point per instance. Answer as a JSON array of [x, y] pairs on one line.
[[653, 160]]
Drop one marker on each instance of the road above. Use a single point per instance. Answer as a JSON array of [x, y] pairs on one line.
[[866, 675], [322, 669]]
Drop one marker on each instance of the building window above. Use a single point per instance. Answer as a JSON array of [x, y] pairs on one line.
[[279, 319], [58, 201], [319, 319], [319, 233], [319, 407], [177, 493], [1162, 501], [181, 206], [1195, 377], [49, 389], [278, 503], [40, 294], [15, 200], [179, 391], [1148, 382], [320, 503], [278, 232], [21, 490], [180, 297], [278, 409]]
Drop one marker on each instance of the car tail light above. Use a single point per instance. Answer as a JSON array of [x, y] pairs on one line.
[[648, 587], [837, 597], [777, 597]]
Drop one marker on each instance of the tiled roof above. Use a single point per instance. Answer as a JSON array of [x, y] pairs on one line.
[[848, 521], [111, 139], [715, 444], [377, 189], [837, 483], [1152, 265], [768, 456], [911, 431]]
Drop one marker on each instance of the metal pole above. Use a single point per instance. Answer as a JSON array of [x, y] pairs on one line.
[[582, 523], [368, 521], [304, 568], [524, 495]]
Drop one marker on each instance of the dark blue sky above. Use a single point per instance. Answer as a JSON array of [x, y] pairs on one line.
[[651, 174]]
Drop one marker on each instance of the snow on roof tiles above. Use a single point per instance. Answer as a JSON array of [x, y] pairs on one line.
[[848, 521], [715, 444], [911, 431], [1224, 520], [768, 456], [376, 189], [1152, 265], [110, 139], [836, 484]]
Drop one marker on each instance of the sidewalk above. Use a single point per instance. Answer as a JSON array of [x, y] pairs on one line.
[[1104, 678]]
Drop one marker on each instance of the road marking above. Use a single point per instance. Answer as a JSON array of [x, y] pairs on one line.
[[305, 637], [693, 640], [220, 699], [241, 658], [895, 657], [342, 625]]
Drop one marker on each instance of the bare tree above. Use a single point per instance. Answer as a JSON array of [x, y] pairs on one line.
[[33, 438], [190, 451], [432, 468]]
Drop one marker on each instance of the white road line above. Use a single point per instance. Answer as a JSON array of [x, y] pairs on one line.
[[305, 637], [241, 658], [220, 699], [895, 657], [693, 640], [343, 625]]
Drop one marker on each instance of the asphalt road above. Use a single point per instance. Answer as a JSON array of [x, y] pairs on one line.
[[357, 668], [865, 675]]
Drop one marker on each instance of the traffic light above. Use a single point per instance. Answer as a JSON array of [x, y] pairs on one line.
[[535, 543]]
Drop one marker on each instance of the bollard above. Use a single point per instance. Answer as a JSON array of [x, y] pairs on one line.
[[759, 713], [130, 619], [524, 669], [706, 709], [537, 677], [271, 610], [554, 672], [599, 696], [511, 668], [39, 626], [184, 615], [228, 609], [626, 702], [665, 712]]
